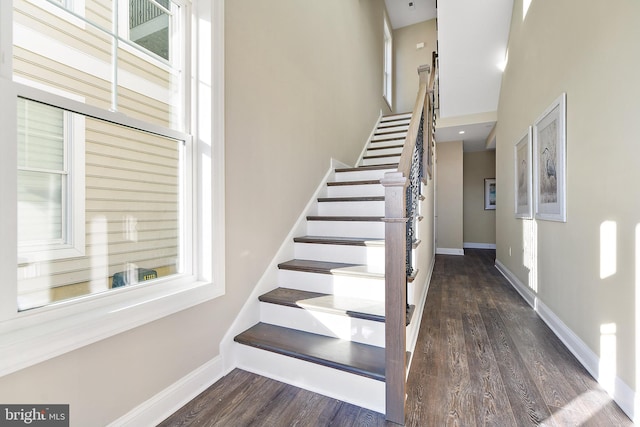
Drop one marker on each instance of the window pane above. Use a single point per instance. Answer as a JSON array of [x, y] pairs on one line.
[[132, 213], [40, 136], [134, 71], [149, 26], [40, 212]]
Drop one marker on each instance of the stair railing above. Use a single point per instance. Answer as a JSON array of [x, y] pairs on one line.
[[402, 198]]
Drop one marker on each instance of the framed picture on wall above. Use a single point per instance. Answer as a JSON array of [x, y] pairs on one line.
[[489, 193], [549, 162], [523, 176]]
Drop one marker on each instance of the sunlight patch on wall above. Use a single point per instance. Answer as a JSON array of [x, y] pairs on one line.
[[525, 8], [607, 368], [608, 242], [530, 248]]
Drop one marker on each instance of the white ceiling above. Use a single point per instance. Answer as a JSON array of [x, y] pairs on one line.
[[402, 14], [472, 43]]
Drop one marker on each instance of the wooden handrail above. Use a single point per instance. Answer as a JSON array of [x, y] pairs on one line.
[[396, 248]]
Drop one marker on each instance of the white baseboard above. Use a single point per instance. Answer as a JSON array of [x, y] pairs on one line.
[[449, 251], [622, 394], [471, 245], [169, 400]]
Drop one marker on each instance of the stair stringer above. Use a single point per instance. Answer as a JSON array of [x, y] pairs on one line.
[[249, 314], [366, 146]]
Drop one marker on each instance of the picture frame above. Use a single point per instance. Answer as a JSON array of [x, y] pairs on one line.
[[549, 162], [489, 194], [523, 178]]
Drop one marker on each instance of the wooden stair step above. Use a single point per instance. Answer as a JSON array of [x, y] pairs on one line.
[[386, 148], [327, 303], [362, 182], [370, 167], [325, 267], [373, 141], [386, 132], [360, 359], [349, 241], [344, 218], [381, 156], [392, 123], [352, 199]]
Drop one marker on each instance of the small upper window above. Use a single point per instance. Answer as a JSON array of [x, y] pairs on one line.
[[388, 63]]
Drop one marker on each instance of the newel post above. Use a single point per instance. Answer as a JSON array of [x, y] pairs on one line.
[[423, 72], [395, 185]]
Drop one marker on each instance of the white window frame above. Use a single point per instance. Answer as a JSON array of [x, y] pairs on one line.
[[34, 336], [387, 67]]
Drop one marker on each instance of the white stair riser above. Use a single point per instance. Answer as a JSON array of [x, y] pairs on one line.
[[378, 144], [369, 229], [355, 190], [371, 256], [396, 117], [370, 208], [380, 161], [384, 151], [354, 389], [389, 136], [361, 175], [397, 128], [322, 323], [397, 122], [340, 285]]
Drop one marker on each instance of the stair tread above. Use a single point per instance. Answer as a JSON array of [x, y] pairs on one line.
[[395, 138], [388, 147], [325, 267], [348, 356], [382, 156], [361, 182], [352, 199], [344, 218], [342, 305], [352, 241], [369, 167]]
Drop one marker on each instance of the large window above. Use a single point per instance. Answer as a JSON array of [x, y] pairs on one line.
[[106, 175]]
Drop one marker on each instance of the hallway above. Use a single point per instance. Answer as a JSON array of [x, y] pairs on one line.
[[483, 358]]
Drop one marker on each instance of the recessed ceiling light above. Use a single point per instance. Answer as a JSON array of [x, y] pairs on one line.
[[461, 132]]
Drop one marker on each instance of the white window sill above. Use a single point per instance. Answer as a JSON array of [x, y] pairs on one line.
[[38, 335]]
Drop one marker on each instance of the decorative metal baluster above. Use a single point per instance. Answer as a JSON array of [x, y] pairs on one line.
[[413, 194]]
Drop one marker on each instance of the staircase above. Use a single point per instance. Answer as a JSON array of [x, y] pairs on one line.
[[322, 328]]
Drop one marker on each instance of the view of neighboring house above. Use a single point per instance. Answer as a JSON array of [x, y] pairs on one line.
[[158, 156], [97, 198]]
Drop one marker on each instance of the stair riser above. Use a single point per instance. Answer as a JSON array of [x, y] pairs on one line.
[[404, 122], [354, 389], [361, 175], [380, 161], [399, 128], [372, 256], [389, 136], [327, 324], [378, 144], [387, 119], [368, 229], [385, 151], [348, 286], [355, 190], [374, 208]]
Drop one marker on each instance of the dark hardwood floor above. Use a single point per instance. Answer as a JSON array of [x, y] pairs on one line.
[[483, 358]]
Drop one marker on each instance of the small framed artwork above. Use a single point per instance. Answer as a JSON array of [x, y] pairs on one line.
[[549, 162], [489, 194], [522, 176]]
